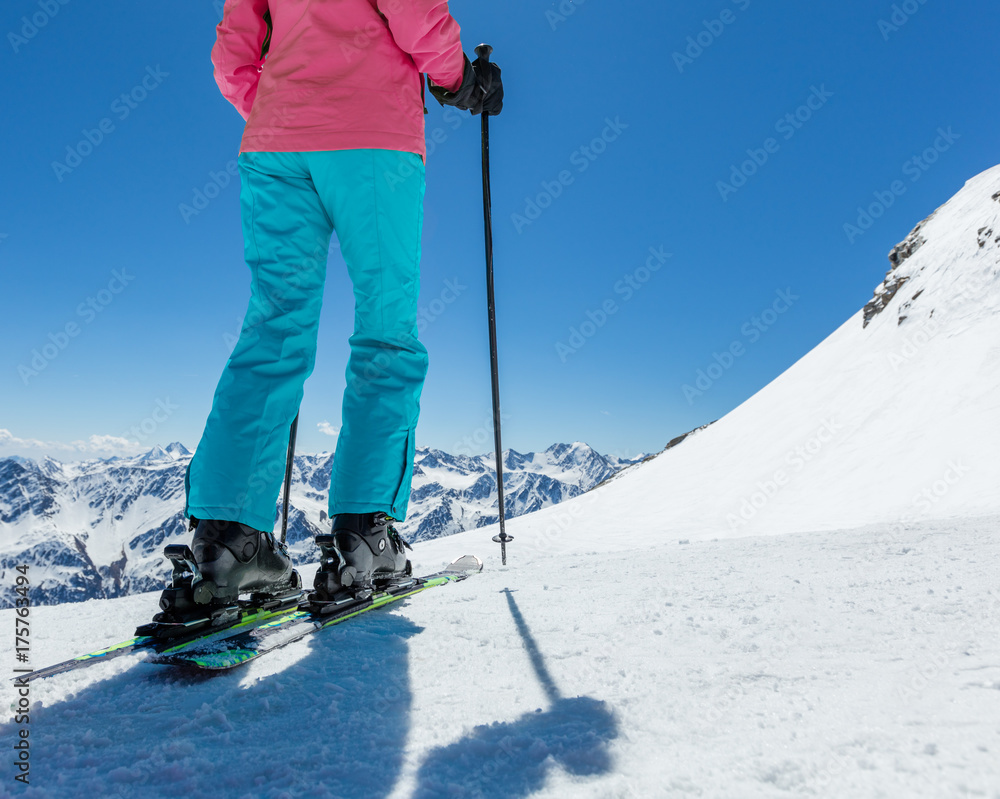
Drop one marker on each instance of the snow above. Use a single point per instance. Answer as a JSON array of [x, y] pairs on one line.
[[849, 663], [801, 600]]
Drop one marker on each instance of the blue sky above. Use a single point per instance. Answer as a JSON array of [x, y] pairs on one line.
[[671, 183]]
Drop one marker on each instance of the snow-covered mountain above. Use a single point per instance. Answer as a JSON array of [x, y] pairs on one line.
[[97, 528]]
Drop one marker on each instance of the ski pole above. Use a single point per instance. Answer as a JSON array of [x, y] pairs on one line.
[[289, 457], [483, 52]]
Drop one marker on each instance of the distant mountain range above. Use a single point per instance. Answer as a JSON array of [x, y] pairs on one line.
[[97, 528]]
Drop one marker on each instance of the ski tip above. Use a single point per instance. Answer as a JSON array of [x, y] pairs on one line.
[[466, 563]]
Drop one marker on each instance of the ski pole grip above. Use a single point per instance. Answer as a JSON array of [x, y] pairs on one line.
[[483, 58]]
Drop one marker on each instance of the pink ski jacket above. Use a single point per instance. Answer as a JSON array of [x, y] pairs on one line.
[[338, 75]]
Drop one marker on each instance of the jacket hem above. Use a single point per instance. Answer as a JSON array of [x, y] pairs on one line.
[[293, 142]]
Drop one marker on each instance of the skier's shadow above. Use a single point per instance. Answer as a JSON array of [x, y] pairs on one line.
[[329, 718], [331, 724], [509, 760]]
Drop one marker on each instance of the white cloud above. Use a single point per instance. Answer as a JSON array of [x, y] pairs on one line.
[[9, 440], [328, 429], [94, 445], [109, 444]]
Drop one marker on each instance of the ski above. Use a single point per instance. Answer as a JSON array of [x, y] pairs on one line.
[[181, 644], [247, 618], [226, 653]]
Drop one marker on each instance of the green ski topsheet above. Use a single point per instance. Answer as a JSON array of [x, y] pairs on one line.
[[165, 650], [145, 643]]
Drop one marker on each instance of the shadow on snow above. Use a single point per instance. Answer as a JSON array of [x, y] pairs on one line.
[[509, 760], [332, 724]]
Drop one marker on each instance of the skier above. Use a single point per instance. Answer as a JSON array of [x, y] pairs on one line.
[[332, 95]]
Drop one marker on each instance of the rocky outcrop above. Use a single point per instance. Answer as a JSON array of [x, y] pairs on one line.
[[894, 278]]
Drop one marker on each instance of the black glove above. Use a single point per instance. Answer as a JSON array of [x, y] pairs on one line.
[[492, 86], [481, 90]]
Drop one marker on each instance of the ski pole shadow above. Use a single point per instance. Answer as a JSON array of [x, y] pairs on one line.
[[512, 759]]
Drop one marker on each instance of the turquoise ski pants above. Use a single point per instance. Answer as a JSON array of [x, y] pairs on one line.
[[291, 203]]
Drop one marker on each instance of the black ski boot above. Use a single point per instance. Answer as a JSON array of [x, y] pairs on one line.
[[363, 551], [228, 559], [234, 559]]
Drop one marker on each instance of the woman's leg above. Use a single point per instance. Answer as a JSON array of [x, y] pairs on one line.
[[378, 222], [236, 472]]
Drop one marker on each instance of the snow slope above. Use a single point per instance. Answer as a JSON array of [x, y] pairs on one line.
[[894, 422], [649, 638]]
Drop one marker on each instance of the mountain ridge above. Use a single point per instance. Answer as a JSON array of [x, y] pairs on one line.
[[96, 528]]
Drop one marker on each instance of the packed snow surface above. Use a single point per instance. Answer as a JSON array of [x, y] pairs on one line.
[[858, 663]]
